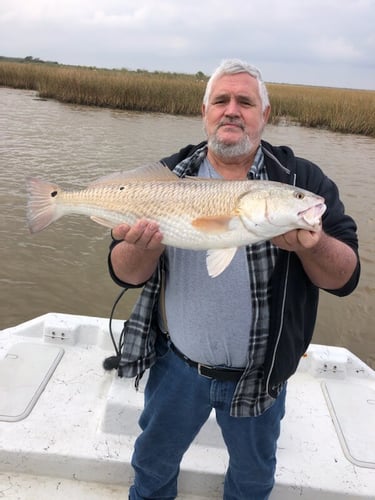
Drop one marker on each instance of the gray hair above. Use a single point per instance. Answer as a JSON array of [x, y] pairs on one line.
[[232, 67]]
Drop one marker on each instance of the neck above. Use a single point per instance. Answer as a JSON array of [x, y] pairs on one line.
[[231, 168]]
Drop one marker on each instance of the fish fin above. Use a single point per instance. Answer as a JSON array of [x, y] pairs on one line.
[[153, 172], [201, 179], [212, 223], [42, 208], [103, 222], [218, 260]]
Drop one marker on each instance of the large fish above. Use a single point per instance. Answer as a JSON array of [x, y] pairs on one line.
[[193, 213]]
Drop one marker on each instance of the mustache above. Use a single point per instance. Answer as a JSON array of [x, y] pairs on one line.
[[230, 121]]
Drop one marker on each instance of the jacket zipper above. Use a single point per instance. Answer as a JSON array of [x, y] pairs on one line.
[[280, 327], [281, 318]]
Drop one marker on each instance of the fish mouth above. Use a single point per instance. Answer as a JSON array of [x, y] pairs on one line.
[[313, 214]]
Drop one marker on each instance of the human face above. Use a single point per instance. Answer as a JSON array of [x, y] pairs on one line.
[[233, 117]]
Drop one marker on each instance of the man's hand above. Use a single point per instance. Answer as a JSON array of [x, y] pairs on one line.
[[144, 235], [328, 262], [297, 240], [135, 258]]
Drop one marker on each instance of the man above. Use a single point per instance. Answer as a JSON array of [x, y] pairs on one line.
[[228, 343]]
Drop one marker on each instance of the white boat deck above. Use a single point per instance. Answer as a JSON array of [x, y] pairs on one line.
[[67, 427]]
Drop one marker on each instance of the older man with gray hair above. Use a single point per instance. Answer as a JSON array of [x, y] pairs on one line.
[[229, 343]]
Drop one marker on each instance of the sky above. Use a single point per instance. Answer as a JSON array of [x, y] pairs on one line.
[[314, 42]]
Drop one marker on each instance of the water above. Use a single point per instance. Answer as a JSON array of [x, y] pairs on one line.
[[63, 269]]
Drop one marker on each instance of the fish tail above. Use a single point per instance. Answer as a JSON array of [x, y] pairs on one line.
[[42, 206]]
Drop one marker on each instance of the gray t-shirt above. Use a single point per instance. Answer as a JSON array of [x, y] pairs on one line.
[[208, 319]]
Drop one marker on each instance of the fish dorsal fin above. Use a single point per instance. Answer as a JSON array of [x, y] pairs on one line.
[[218, 260], [204, 179], [153, 172]]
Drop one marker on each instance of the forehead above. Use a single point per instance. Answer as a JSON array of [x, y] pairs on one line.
[[239, 83]]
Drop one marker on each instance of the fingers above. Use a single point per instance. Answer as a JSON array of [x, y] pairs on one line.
[[297, 240], [143, 234], [286, 241], [118, 232]]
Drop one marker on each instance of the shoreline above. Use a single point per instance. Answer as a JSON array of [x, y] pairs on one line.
[[348, 111]]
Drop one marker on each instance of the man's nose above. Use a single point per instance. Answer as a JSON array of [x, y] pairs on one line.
[[232, 108]]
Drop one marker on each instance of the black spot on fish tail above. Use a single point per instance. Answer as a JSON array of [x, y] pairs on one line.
[[53, 194]]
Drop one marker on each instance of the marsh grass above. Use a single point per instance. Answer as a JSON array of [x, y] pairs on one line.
[[340, 110]]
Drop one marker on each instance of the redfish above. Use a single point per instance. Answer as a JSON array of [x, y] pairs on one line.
[[193, 213]]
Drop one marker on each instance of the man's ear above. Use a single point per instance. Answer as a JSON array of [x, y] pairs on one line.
[[266, 114]]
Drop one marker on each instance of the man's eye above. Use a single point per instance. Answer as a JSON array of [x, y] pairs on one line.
[[245, 102]]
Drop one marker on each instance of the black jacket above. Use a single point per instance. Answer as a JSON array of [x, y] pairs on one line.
[[294, 299]]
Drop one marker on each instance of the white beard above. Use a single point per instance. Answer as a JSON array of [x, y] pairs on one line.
[[223, 150]]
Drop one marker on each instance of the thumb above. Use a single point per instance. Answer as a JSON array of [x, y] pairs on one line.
[[308, 239]]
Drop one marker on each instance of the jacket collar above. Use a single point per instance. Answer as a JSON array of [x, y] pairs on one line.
[[275, 159]]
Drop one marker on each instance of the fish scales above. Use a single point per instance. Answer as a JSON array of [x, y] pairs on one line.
[[173, 205], [163, 199]]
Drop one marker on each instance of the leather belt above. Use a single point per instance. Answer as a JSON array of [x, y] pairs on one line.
[[212, 372]]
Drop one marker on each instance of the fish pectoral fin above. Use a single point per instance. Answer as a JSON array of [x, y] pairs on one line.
[[103, 222], [218, 260], [212, 223]]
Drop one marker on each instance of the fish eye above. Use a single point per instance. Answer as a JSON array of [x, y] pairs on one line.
[[299, 195]]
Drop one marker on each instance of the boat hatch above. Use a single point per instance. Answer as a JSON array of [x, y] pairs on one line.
[[352, 408], [24, 373]]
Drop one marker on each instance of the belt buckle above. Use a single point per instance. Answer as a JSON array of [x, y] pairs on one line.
[[200, 366]]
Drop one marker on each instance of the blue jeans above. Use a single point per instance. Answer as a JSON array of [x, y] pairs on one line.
[[178, 401]]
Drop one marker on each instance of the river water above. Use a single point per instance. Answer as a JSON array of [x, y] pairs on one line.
[[63, 269]]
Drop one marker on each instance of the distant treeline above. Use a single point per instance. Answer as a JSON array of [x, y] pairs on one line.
[[340, 110], [28, 59]]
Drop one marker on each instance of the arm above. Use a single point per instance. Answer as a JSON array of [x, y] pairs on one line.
[[135, 258], [328, 262], [329, 256]]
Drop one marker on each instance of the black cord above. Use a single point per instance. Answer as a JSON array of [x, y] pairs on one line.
[[112, 362]]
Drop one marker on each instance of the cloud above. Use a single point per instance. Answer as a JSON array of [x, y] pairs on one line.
[[336, 49], [293, 39]]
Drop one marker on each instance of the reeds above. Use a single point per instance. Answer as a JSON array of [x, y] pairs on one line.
[[340, 110]]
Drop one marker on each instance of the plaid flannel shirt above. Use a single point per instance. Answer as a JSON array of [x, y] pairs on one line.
[[138, 354]]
